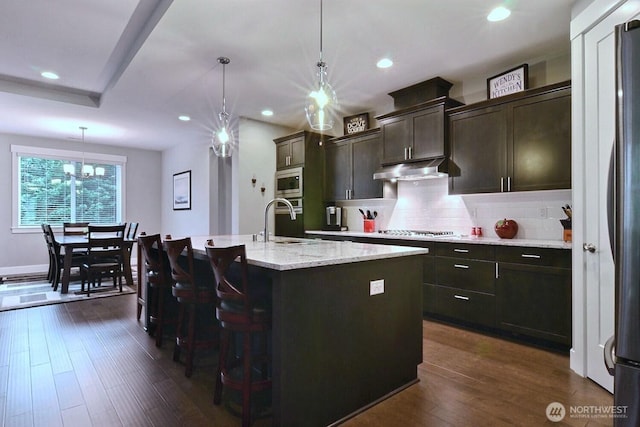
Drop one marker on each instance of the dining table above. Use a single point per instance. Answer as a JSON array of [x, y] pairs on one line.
[[69, 243]]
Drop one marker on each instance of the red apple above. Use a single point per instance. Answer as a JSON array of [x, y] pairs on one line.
[[506, 228]]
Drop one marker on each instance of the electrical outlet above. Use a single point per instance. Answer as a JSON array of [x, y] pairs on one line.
[[376, 287], [542, 213]]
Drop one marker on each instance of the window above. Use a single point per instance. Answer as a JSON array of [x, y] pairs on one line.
[[43, 192]]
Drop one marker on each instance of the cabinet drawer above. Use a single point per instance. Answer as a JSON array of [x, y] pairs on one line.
[[484, 252], [472, 275], [465, 305], [534, 256]]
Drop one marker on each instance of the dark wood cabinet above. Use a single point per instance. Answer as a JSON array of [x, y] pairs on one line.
[[415, 133], [533, 292], [303, 149], [290, 151], [351, 161], [465, 288], [512, 290], [519, 142]]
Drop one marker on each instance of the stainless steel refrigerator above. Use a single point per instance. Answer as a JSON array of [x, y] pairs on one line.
[[622, 354]]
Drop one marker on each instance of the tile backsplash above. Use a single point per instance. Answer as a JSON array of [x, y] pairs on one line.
[[426, 205]]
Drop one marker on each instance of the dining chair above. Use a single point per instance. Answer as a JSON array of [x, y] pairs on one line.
[[104, 257], [52, 261], [75, 228], [56, 256], [132, 230]]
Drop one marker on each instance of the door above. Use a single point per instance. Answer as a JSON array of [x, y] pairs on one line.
[[367, 155], [593, 236]]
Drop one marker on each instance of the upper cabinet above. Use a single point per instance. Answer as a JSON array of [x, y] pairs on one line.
[[415, 133], [290, 150], [519, 142], [351, 161]]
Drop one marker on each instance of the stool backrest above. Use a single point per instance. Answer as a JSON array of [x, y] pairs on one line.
[[221, 259], [181, 271], [153, 254]]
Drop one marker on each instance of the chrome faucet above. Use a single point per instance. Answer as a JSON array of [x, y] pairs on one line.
[[292, 214]]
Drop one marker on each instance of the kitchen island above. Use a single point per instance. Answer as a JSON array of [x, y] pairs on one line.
[[340, 343]]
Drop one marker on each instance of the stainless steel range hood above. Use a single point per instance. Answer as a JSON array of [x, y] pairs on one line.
[[426, 169]]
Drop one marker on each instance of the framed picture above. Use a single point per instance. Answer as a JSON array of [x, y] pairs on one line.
[[182, 191], [511, 81], [357, 123]]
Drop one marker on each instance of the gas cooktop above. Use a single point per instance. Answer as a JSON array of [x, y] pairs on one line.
[[418, 233]]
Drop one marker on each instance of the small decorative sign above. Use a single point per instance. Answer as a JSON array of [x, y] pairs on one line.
[[511, 81], [357, 123]]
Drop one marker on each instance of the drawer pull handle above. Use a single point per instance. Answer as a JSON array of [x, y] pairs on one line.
[[462, 297], [460, 266], [462, 251], [530, 256]]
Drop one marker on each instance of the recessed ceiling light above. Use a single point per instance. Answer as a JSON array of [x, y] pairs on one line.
[[384, 63], [498, 14], [49, 75], [267, 113], [184, 118]]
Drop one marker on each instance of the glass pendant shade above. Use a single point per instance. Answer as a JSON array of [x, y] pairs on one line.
[[68, 169], [99, 171], [87, 170], [222, 141], [321, 103]]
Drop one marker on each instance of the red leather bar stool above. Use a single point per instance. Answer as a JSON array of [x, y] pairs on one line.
[[196, 298], [245, 370], [158, 281]]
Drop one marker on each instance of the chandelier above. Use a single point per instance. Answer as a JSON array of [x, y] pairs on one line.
[[86, 171]]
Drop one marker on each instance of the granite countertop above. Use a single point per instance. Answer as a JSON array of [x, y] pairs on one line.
[[556, 244], [286, 253]]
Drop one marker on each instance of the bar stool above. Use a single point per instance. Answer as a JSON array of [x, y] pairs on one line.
[[158, 283], [239, 314], [192, 295]]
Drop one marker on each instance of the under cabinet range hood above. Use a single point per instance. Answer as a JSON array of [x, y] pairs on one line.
[[425, 169]]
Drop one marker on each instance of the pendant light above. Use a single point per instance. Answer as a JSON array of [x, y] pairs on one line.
[[86, 171], [222, 139], [321, 102]]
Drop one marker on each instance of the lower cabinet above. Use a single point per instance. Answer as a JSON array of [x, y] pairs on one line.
[[464, 288], [520, 291], [533, 294]]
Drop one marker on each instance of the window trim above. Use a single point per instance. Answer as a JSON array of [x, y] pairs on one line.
[[57, 154]]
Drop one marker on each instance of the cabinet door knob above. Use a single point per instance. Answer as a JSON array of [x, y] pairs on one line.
[[589, 247]]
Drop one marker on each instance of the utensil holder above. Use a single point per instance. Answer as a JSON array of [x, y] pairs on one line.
[[369, 225]]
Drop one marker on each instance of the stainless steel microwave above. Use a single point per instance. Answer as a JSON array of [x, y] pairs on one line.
[[289, 183]]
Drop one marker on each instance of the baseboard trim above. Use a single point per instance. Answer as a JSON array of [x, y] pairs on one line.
[[24, 269]]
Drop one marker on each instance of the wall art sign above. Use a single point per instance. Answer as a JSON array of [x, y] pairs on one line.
[[357, 123], [511, 81], [182, 190]]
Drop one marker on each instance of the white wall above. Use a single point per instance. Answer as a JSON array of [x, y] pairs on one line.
[[257, 158], [194, 157], [24, 252], [426, 205]]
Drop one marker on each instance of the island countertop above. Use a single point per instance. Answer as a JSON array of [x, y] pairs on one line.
[[286, 253]]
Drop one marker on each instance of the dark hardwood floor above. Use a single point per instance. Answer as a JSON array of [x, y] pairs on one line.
[[90, 363]]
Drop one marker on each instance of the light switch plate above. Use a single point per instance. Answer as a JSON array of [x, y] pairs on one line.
[[376, 287]]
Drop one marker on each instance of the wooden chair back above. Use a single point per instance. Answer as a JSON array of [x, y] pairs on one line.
[[75, 228], [132, 230], [105, 242]]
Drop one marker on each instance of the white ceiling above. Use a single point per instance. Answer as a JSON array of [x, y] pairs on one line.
[[128, 68]]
